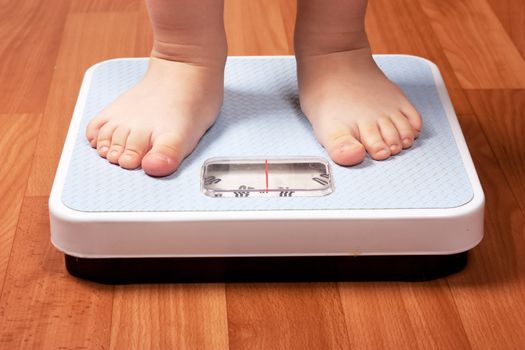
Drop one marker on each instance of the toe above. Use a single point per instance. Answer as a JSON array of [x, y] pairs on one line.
[[405, 130], [371, 137], [118, 141], [104, 138], [92, 129], [390, 135], [414, 118], [165, 155], [346, 150], [340, 142], [137, 144]]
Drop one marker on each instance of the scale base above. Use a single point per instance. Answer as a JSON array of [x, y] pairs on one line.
[[411, 217], [266, 269]]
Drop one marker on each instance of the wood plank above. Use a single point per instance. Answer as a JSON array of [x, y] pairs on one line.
[[41, 306], [87, 39], [255, 27], [30, 32], [288, 9], [17, 145], [469, 30], [285, 316], [403, 315], [183, 316], [490, 293], [511, 14], [501, 114], [144, 35], [79, 6], [364, 304], [409, 32], [434, 316]]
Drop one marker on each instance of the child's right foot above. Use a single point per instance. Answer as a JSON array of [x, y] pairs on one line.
[[158, 122]]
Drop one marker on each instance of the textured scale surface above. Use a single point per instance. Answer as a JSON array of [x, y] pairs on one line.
[[261, 117]]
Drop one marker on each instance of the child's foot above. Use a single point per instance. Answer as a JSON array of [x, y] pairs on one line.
[[158, 122], [350, 103], [354, 108]]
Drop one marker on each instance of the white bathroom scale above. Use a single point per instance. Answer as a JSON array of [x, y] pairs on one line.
[[259, 197]]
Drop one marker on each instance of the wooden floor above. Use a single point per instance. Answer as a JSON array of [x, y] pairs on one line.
[[45, 47]]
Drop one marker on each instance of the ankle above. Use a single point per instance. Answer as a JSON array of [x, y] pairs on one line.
[[211, 53], [329, 26], [311, 43], [188, 31]]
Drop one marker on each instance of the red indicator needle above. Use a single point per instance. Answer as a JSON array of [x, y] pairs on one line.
[[266, 171]]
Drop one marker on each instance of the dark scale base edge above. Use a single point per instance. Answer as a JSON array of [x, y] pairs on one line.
[[266, 269]]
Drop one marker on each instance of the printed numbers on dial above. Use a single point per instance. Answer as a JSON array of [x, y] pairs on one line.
[[322, 179]]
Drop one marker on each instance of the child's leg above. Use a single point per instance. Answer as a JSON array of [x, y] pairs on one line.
[[160, 121], [352, 106]]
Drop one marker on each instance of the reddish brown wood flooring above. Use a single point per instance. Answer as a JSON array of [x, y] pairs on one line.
[[479, 45]]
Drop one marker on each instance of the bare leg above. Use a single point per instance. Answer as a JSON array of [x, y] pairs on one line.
[[350, 103], [159, 121]]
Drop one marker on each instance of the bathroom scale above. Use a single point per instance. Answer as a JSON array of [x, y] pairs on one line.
[[260, 199]]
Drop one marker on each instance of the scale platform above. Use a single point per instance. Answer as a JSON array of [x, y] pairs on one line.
[[246, 205]]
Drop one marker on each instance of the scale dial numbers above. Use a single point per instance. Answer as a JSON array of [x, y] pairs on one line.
[[266, 177]]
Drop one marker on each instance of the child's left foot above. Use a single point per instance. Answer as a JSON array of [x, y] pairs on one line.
[[354, 108], [351, 104]]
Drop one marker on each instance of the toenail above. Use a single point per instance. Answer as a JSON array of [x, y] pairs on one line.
[[346, 148], [161, 157], [113, 153], [407, 142], [103, 149], [127, 157], [383, 153], [394, 148]]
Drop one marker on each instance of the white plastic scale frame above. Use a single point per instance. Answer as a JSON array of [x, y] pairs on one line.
[[270, 232]]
